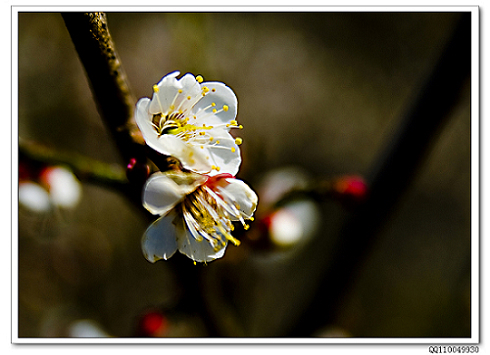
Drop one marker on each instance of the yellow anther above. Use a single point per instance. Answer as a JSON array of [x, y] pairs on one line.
[[240, 127], [205, 89], [202, 147], [238, 141], [218, 168], [180, 91], [217, 142], [213, 104], [211, 138], [233, 150], [199, 79], [233, 122], [172, 107], [213, 90], [188, 97], [233, 240], [225, 108], [215, 110], [252, 219], [246, 227], [202, 134], [155, 88]]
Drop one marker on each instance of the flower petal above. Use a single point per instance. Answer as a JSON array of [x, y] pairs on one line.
[[191, 92], [143, 119], [163, 191], [161, 194], [160, 239], [190, 156], [168, 89], [239, 194], [221, 96], [200, 251], [225, 155]]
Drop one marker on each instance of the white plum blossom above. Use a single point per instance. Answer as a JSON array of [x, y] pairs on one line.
[[191, 120], [196, 214]]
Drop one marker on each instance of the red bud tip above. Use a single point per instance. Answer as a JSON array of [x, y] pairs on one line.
[[137, 171]]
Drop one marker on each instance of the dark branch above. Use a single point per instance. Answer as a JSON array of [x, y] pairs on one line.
[[84, 168], [95, 47]]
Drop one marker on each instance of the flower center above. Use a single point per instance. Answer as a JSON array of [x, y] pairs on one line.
[[210, 216]]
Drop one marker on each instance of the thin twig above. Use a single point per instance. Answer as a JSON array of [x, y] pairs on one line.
[[84, 168]]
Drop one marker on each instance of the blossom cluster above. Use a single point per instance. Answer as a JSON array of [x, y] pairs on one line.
[[190, 120]]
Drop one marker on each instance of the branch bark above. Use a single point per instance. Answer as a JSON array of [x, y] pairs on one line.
[[110, 88]]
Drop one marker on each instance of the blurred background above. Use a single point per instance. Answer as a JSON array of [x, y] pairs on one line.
[[319, 96]]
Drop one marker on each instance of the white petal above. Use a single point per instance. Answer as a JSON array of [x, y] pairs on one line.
[[160, 239], [64, 188], [191, 91], [161, 194], [143, 120], [191, 156], [164, 190], [34, 197], [238, 192], [296, 221], [222, 155], [222, 95], [201, 251], [168, 89], [187, 181]]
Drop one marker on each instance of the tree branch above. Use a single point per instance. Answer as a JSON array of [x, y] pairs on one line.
[[93, 42], [84, 168]]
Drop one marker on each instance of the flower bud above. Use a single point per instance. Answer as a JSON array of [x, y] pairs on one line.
[[137, 171]]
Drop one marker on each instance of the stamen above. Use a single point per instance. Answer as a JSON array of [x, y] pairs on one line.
[[238, 141], [199, 79], [155, 90]]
